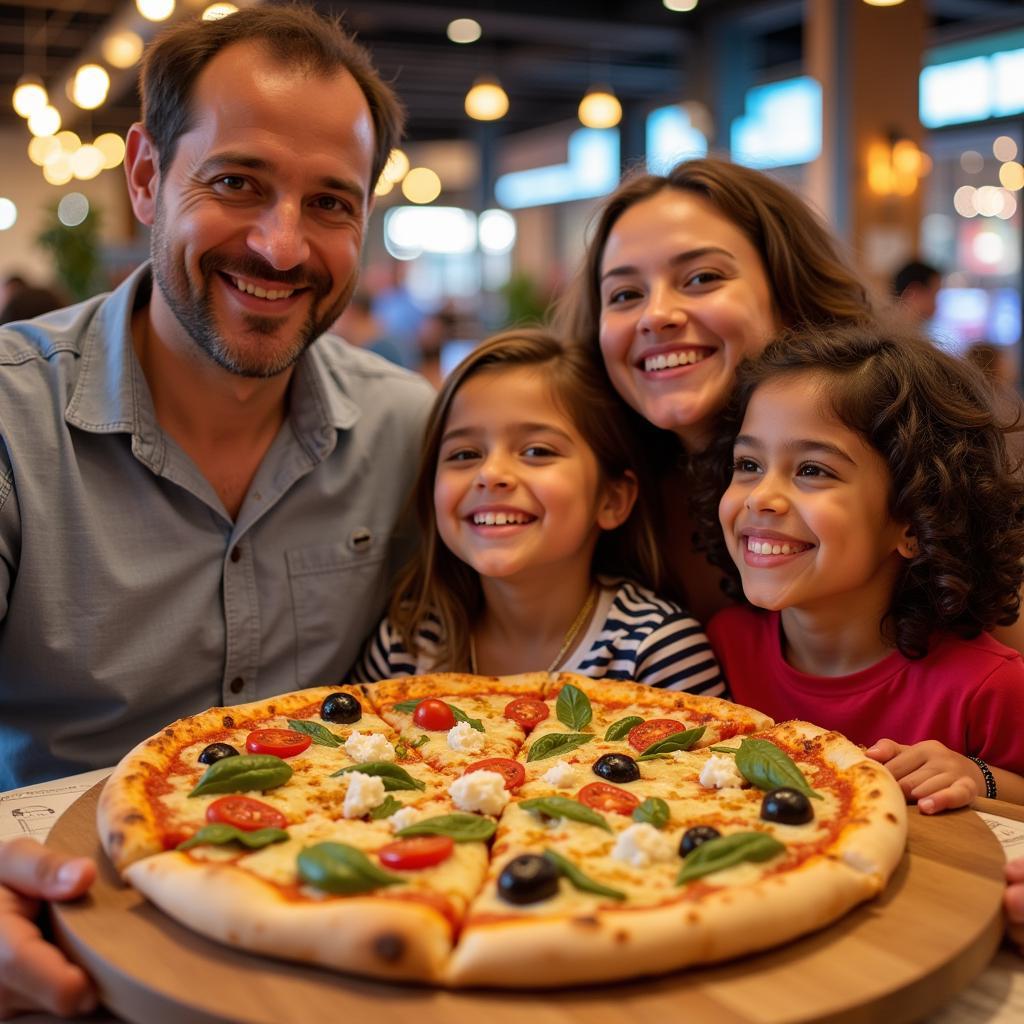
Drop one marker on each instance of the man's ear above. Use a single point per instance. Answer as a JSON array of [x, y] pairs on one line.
[[142, 172], [617, 500], [907, 544]]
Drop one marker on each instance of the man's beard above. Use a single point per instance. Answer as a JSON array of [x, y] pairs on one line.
[[195, 312]]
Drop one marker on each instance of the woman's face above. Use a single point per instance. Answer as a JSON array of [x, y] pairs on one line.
[[684, 297]]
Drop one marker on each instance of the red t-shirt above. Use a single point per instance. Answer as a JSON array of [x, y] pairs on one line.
[[968, 694]]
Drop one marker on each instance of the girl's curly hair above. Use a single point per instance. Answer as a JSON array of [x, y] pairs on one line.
[[934, 420]]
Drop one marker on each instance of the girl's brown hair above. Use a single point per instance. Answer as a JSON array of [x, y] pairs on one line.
[[436, 582], [811, 283], [932, 418]]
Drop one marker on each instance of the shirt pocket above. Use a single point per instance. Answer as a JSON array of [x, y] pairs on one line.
[[338, 592]]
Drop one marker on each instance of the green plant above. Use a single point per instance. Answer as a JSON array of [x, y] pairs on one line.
[[75, 251]]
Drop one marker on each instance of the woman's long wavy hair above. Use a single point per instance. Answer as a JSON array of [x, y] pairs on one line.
[[436, 582], [933, 419]]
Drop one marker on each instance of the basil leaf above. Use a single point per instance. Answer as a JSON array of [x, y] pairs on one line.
[[386, 808], [564, 807], [573, 708], [320, 735], [677, 741], [243, 773], [725, 750], [726, 851], [460, 715], [394, 775], [654, 811], [336, 867], [617, 730], [218, 835], [764, 765], [463, 828], [554, 745], [579, 880]]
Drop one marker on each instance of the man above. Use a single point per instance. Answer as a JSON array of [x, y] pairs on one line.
[[198, 498], [916, 289]]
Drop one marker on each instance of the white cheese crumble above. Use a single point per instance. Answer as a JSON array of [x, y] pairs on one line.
[[363, 794], [720, 773], [561, 775], [860, 861], [480, 791], [462, 736], [641, 845], [370, 746], [403, 818]]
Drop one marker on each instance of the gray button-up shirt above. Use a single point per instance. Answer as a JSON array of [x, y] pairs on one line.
[[128, 596]]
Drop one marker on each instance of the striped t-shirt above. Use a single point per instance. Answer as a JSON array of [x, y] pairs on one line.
[[633, 634]]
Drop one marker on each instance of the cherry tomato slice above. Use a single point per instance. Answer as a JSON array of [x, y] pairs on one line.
[[513, 771], [279, 742], [245, 813], [527, 711], [433, 715], [418, 852], [603, 797], [643, 735]]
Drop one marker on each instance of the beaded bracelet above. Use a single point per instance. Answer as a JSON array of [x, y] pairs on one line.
[[990, 779]]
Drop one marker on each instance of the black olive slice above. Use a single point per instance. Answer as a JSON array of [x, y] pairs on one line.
[[616, 768], [693, 837], [787, 807], [528, 878], [216, 752], [342, 708]]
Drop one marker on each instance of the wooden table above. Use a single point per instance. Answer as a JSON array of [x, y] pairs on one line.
[[896, 959]]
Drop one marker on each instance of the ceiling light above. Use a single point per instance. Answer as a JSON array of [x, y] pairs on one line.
[[155, 10], [1011, 176], [421, 185], [8, 213], [464, 30], [122, 50], [1004, 148], [883, 3], [45, 121], [41, 147], [218, 10], [72, 209], [86, 163], [68, 141], [396, 168], [599, 108], [90, 86], [383, 186], [57, 169], [29, 95], [679, 6], [111, 145], [486, 101]]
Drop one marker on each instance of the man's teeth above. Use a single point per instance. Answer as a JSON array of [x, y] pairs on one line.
[[771, 547], [667, 361], [261, 293], [500, 518]]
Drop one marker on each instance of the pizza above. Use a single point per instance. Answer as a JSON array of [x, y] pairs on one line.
[[525, 831]]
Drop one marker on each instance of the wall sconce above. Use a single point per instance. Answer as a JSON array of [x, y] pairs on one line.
[[895, 166], [486, 101]]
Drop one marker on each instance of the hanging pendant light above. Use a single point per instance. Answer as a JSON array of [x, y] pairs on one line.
[[599, 108], [29, 95], [486, 100]]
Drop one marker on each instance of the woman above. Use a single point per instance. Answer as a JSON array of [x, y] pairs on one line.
[[686, 275]]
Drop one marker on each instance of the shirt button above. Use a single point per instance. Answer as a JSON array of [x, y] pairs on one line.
[[236, 685], [236, 553]]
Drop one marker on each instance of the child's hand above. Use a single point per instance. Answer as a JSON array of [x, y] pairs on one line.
[[930, 773], [1014, 902]]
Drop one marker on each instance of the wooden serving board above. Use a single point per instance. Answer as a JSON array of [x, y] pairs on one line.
[[897, 958]]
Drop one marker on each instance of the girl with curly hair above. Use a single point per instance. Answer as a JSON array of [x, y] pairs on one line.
[[875, 520]]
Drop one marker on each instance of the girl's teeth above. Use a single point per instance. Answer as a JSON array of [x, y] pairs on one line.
[[261, 293], [499, 519], [759, 547], [666, 361]]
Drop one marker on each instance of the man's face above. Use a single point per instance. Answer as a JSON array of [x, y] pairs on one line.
[[259, 219]]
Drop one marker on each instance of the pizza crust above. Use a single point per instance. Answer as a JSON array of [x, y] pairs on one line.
[[374, 936]]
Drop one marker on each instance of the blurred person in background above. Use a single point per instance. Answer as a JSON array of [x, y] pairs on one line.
[[10, 286], [28, 301], [915, 287], [359, 327], [394, 308], [436, 331]]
